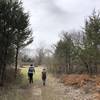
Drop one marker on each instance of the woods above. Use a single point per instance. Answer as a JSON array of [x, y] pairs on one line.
[[53, 68], [15, 34], [75, 52], [79, 52]]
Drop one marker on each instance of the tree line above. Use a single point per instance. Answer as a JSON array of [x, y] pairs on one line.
[[78, 52], [15, 33]]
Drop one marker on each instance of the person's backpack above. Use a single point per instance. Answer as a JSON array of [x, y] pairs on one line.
[[31, 69]]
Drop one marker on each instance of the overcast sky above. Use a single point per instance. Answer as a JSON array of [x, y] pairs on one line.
[[49, 17]]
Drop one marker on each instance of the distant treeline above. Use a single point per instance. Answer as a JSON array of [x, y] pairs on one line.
[[78, 52]]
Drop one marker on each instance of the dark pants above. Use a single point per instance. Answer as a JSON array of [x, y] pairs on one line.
[[30, 75], [44, 79]]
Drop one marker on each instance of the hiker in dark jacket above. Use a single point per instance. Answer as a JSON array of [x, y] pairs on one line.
[[44, 76], [30, 73]]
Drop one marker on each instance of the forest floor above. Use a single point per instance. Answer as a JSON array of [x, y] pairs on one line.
[[54, 90]]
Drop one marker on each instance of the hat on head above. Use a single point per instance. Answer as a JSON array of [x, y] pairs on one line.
[[31, 64]]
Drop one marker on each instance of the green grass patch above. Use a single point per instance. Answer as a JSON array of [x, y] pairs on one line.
[[36, 75], [22, 78]]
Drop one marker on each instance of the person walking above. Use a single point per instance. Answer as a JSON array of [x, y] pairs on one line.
[[30, 73], [44, 76]]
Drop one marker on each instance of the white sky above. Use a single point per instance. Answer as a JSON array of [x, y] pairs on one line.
[[49, 17]]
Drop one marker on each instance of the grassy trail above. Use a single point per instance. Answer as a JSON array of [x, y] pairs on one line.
[[52, 91], [22, 90]]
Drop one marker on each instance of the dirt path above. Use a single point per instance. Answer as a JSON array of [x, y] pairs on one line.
[[54, 90]]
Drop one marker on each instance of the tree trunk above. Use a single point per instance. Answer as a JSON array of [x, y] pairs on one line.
[[3, 75], [95, 68], [69, 64], [0, 68], [86, 64], [3, 70], [16, 61]]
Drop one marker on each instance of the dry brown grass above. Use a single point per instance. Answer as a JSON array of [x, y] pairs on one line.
[[79, 80]]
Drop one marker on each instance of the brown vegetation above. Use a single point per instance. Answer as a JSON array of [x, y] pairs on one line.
[[78, 80], [82, 81]]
